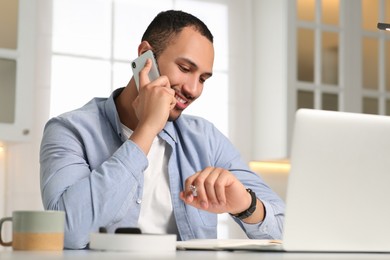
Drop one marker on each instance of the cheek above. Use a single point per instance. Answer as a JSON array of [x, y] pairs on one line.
[[200, 90], [173, 75], [186, 80]]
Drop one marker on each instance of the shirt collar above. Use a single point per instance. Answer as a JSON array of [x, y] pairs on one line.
[[170, 131], [112, 113]]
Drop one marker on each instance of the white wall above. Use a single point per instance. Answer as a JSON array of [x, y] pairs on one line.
[[270, 79], [240, 78]]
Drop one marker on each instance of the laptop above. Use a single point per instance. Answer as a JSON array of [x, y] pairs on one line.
[[338, 195], [338, 191]]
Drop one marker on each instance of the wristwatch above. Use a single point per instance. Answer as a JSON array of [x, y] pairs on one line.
[[250, 210]]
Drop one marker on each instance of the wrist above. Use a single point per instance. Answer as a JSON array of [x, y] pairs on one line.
[[143, 136], [250, 210]]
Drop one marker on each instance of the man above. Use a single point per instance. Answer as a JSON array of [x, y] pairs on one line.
[[133, 160]]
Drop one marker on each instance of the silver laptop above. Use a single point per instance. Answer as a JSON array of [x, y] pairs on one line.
[[338, 196]]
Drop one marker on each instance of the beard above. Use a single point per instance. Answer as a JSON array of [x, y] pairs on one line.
[[174, 114]]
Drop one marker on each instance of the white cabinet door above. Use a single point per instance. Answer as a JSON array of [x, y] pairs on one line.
[[17, 48]]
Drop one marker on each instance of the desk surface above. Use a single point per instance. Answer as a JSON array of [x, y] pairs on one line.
[[187, 255]]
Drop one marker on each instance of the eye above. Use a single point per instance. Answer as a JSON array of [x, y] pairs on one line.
[[202, 80], [184, 68]]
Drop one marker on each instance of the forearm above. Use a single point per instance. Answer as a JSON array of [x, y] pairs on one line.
[[258, 215], [143, 136], [272, 225], [267, 221]]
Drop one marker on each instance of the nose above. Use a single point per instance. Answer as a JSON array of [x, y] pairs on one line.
[[192, 88]]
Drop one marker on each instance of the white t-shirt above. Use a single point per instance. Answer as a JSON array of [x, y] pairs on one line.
[[156, 214]]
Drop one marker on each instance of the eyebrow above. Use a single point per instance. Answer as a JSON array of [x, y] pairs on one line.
[[193, 64]]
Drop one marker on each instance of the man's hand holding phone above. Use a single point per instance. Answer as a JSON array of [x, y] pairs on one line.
[[155, 100]]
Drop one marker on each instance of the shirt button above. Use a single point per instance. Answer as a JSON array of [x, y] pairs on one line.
[[139, 201]]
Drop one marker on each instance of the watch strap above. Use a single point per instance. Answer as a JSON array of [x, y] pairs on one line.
[[250, 210]]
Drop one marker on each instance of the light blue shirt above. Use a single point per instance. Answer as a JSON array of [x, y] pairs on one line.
[[95, 174]]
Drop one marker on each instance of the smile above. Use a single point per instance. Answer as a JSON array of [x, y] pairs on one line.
[[179, 99]]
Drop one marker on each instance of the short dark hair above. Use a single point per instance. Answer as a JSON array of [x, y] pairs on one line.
[[166, 25]]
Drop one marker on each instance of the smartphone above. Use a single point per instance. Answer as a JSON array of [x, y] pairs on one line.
[[128, 230], [384, 26], [139, 63]]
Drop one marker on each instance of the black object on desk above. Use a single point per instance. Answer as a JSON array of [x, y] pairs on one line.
[[122, 230], [383, 26]]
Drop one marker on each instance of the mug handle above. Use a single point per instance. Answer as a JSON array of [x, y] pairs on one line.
[[1, 226]]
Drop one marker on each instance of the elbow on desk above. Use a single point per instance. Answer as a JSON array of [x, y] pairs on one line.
[[73, 240], [75, 236]]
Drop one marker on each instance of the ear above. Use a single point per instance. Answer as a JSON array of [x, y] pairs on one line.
[[143, 47]]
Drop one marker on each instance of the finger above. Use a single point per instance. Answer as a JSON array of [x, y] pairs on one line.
[[209, 185], [144, 73], [165, 85], [186, 198], [173, 103], [220, 188], [164, 82], [199, 182]]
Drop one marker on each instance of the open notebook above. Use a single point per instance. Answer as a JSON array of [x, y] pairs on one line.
[[339, 187]]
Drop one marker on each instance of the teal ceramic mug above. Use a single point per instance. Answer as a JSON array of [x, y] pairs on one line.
[[35, 230]]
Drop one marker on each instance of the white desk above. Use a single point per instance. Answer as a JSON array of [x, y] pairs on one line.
[[187, 255]]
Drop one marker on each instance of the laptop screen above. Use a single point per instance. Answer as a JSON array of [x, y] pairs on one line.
[[339, 185]]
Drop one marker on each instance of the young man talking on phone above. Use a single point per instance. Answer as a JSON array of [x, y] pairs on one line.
[[134, 160]]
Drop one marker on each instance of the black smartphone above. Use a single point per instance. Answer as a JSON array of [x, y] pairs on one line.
[[128, 230], [384, 26]]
